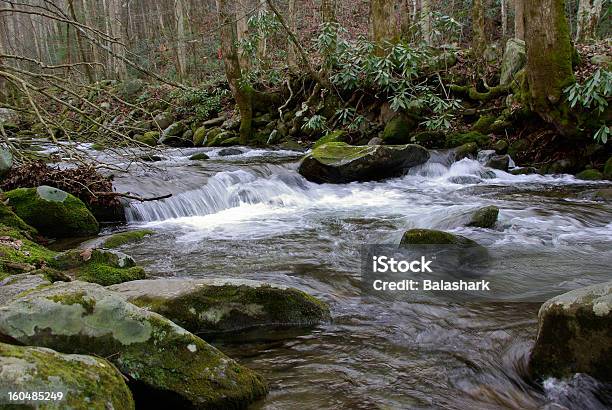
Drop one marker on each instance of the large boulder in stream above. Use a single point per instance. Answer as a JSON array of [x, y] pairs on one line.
[[484, 217], [575, 335], [53, 212], [165, 364], [85, 382], [220, 305], [338, 162]]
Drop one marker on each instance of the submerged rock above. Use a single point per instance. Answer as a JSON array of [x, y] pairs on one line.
[[575, 335], [485, 217], [219, 305], [200, 156], [226, 152], [161, 359], [53, 212], [85, 381], [434, 237], [337, 162]]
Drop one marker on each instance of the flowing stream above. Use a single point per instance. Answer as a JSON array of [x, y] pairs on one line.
[[253, 216]]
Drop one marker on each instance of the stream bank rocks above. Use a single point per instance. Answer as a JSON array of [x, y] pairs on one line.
[[160, 359], [485, 217], [53, 212], [338, 162], [221, 305], [575, 334], [85, 381]]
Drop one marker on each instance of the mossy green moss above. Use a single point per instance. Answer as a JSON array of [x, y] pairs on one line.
[[333, 136], [87, 382], [107, 275], [10, 219], [590, 175], [484, 217], [149, 138], [398, 130], [53, 212], [466, 150], [457, 139], [433, 237], [16, 250], [123, 238], [484, 123], [199, 137]]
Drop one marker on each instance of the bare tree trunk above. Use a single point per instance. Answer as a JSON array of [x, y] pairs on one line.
[[549, 61], [426, 21], [479, 39], [519, 19], [589, 13], [504, 18], [243, 93], [242, 27], [116, 28], [181, 40], [328, 11], [262, 44], [80, 46], [292, 59], [383, 23]]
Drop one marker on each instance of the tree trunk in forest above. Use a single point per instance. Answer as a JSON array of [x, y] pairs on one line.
[[242, 27], [181, 39], [549, 62], [88, 72], [383, 23], [426, 22], [241, 90], [519, 19], [262, 44], [479, 39], [328, 11], [589, 13], [292, 60], [504, 18]]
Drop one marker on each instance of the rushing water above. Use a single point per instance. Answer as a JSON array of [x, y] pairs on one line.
[[253, 216]]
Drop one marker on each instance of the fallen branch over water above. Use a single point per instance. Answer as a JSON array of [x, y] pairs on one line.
[[128, 195]]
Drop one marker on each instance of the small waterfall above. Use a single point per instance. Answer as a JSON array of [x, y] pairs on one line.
[[222, 191]]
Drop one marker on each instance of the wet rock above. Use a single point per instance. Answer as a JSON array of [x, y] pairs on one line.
[[123, 238], [6, 161], [220, 305], [465, 180], [485, 155], [376, 141], [200, 156], [501, 147], [164, 120], [85, 381], [501, 162], [604, 195], [102, 266], [53, 212], [214, 122], [434, 237], [199, 137], [485, 217], [575, 335], [337, 162], [226, 152], [466, 151], [513, 61], [160, 359], [333, 136], [524, 171], [149, 138], [590, 175], [173, 136], [14, 285]]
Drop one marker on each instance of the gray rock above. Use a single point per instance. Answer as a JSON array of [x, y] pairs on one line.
[[85, 381], [226, 152], [575, 334], [485, 155], [173, 136], [500, 162], [375, 141], [338, 162], [214, 122], [6, 161], [464, 180], [220, 305], [164, 120], [513, 61], [12, 286], [153, 352]]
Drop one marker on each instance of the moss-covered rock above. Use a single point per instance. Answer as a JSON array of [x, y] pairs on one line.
[[53, 212], [12, 286], [484, 123], [173, 135], [86, 382], [220, 305], [468, 150], [164, 120], [500, 147], [199, 137], [333, 136], [200, 156], [429, 139], [485, 217], [513, 61], [101, 266], [501, 162], [337, 162], [607, 171], [398, 130], [160, 359], [575, 335], [123, 238], [433, 237], [590, 175], [10, 219], [229, 142], [217, 136], [18, 254], [149, 138], [457, 139]]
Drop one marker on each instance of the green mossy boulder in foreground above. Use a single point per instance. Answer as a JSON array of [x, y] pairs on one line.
[[575, 335], [9, 219], [163, 362], [485, 217], [101, 266], [53, 212], [86, 382], [220, 305], [123, 238], [337, 162]]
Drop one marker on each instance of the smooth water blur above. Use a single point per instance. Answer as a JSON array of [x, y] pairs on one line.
[[253, 216]]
